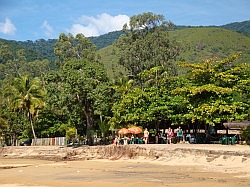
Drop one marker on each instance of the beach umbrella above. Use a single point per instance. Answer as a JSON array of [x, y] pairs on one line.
[[135, 130], [123, 131]]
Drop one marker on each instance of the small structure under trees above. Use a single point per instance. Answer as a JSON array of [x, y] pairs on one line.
[[237, 125]]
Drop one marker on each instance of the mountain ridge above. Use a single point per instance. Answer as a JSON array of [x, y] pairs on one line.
[[45, 48]]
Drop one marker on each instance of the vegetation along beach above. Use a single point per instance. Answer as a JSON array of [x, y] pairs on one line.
[[153, 104]]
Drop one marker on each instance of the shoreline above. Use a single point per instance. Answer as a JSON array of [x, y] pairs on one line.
[[160, 165]]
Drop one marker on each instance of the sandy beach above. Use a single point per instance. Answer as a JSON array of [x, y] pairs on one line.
[[177, 165]]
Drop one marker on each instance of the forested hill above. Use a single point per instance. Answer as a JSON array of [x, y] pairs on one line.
[[40, 49], [45, 48], [198, 43], [29, 52], [106, 39], [243, 27], [205, 42]]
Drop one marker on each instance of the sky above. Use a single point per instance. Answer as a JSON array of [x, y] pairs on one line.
[[23, 20]]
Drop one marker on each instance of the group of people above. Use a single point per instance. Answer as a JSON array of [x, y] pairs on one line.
[[126, 139], [170, 134]]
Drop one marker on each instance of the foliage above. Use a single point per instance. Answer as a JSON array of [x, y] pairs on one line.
[[70, 47], [213, 92], [14, 47], [40, 49], [13, 72], [242, 27], [146, 44], [71, 133], [26, 98], [80, 96], [110, 61], [105, 39], [246, 134], [199, 43], [18, 66], [35, 69], [41, 46], [78, 90], [207, 42], [151, 103]]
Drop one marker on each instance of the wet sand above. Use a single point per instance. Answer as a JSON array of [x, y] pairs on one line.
[[187, 171]]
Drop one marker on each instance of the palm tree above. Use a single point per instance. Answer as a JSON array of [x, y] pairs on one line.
[[27, 97]]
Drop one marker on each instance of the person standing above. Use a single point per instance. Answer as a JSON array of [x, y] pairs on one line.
[[169, 135], [146, 136], [116, 140], [179, 135]]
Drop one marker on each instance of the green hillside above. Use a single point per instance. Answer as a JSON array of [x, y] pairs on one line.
[[45, 48], [110, 61], [198, 43], [105, 39], [242, 27], [30, 54], [206, 42]]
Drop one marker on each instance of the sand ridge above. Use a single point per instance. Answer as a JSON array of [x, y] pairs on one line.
[[124, 166]]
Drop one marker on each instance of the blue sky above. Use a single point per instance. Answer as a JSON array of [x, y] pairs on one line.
[[45, 19]]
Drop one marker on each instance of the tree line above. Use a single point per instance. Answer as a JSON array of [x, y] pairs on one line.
[[78, 96]]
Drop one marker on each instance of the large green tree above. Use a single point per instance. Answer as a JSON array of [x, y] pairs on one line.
[[146, 44], [81, 79], [15, 67], [151, 103], [79, 47], [217, 90], [11, 68], [26, 96], [82, 91], [5, 54]]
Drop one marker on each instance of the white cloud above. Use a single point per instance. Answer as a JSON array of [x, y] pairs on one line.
[[95, 26], [7, 27], [48, 30], [89, 30]]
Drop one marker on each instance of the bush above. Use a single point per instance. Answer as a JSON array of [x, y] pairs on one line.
[[246, 135]]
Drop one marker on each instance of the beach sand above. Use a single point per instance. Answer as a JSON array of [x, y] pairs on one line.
[[205, 165]]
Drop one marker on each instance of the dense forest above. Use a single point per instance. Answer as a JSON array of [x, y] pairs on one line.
[[151, 74]]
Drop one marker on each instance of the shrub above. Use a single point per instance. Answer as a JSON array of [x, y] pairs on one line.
[[246, 135]]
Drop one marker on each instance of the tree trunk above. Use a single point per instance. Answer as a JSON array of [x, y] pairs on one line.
[[32, 127], [89, 126]]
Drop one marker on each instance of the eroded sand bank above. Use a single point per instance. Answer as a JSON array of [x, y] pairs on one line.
[[124, 166]]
